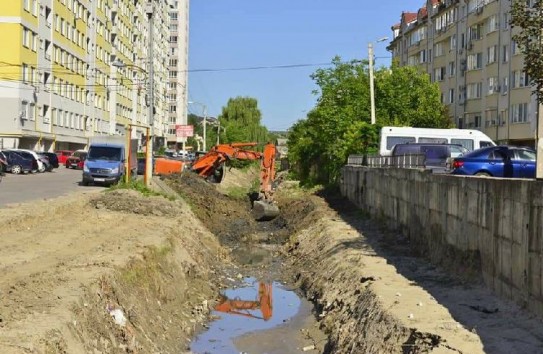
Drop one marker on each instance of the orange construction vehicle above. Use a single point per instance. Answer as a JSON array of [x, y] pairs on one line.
[[211, 167], [242, 307]]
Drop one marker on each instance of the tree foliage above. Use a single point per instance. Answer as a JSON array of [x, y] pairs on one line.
[[240, 121], [529, 19], [340, 124]]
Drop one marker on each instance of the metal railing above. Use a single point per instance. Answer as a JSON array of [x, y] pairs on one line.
[[404, 161]]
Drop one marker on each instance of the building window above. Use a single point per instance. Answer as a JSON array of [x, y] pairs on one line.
[[520, 79], [519, 113], [493, 85], [453, 41], [491, 54], [27, 37], [31, 111], [452, 68], [476, 32], [493, 23], [505, 85], [474, 90], [515, 48], [505, 22], [439, 74], [475, 61], [438, 49], [451, 95], [505, 54]]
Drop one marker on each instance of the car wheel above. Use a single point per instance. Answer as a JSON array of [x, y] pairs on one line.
[[483, 174], [85, 183], [16, 169]]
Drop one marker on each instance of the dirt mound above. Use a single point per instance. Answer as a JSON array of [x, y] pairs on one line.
[[229, 218], [129, 201]]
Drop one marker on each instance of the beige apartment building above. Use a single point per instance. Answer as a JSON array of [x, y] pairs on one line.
[[467, 48]]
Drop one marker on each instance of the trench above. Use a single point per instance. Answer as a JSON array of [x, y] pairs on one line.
[[290, 324]]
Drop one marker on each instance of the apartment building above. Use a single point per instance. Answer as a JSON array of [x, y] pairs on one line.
[[74, 69], [467, 47], [178, 71]]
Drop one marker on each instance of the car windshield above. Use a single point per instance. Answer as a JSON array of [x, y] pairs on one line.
[[104, 153]]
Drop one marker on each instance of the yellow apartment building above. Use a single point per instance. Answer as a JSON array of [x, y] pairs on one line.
[[74, 69]]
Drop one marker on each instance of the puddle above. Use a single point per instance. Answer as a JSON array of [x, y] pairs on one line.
[[248, 313]]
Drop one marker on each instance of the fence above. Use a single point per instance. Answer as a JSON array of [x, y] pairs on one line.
[[404, 161]]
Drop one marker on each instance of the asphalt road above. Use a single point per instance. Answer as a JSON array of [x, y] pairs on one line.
[[28, 187]]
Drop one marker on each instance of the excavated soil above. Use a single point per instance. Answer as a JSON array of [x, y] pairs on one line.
[[118, 272]]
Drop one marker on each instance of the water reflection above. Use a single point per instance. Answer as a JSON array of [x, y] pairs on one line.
[[244, 310], [241, 307]]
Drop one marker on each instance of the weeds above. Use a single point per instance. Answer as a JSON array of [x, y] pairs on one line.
[[140, 187]]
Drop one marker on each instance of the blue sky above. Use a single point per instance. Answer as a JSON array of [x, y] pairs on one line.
[[227, 34]]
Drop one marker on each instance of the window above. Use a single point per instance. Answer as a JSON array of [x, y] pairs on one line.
[[438, 49], [25, 73], [26, 5], [493, 23], [491, 54], [453, 41], [422, 56], [522, 154], [515, 48], [451, 95], [31, 111], [520, 79], [477, 120], [475, 32], [452, 68], [26, 37], [519, 113], [505, 54], [505, 22], [475, 61], [393, 140], [474, 90], [439, 74], [493, 85], [505, 85]]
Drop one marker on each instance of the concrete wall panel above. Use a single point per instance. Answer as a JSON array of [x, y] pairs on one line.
[[492, 225]]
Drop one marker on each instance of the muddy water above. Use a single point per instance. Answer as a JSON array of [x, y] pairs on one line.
[[287, 326]]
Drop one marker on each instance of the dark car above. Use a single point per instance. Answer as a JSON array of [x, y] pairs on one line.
[[497, 161], [51, 157], [141, 165], [17, 164], [436, 155], [77, 159]]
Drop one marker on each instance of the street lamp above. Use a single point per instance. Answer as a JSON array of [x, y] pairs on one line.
[[204, 107], [150, 121], [372, 90]]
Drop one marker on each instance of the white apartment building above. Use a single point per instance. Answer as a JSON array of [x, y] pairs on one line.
[[178, 71], [467, 47]]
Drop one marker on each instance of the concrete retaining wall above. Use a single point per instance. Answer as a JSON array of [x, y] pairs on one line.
[[487, 224]]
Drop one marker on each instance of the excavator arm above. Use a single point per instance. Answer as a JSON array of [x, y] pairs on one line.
[[211, 167], [242, 307]]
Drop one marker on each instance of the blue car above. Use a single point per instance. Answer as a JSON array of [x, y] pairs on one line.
[[497, 161]]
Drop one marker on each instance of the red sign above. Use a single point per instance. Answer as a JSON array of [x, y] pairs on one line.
[[184, 131]]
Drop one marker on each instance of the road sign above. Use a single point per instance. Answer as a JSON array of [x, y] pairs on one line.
[[184, 131]]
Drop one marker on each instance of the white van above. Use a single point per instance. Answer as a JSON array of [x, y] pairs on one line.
[[470, 139]]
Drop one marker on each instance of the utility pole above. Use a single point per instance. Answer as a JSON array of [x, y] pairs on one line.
[[372, 92], [149, 150], [205, 124]]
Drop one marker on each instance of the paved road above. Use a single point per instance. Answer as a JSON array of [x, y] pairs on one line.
[[24, 188]]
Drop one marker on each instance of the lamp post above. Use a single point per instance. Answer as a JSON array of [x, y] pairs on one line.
[[150, 131], [372, 90], [204, 123]]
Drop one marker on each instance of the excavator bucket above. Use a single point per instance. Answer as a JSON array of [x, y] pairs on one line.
[[264, 210]]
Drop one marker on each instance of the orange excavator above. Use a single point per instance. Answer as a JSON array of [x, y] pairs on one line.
[[241, 307], [211, 167]]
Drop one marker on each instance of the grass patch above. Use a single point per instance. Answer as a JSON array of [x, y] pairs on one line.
[[143, 273], [139, 185]]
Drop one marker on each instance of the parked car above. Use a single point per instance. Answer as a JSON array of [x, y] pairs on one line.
[[51, 157], [497, 161], [76, 159], [17, 164], [63, 156], [32, 155], [436, 155]]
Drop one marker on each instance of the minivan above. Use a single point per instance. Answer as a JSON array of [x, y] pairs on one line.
[[436, 155]]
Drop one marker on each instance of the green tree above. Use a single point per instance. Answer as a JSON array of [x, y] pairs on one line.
[[529, 19], [340, 123], [240, 121]]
